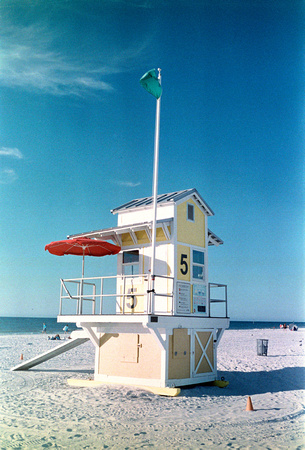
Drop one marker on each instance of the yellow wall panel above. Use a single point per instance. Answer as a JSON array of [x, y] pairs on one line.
[[192, 233], [180, 343], [160, 236], [179, 367], [183, 263], [142, 237], [126, 240]]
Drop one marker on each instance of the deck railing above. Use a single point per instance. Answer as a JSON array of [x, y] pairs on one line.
[[126, 294], [129, 294], [218, 306]]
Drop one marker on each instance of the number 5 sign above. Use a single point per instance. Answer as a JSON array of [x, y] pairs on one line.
[[183, 263]]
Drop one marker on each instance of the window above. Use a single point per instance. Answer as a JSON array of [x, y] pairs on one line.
[[198, 265], [190, 212], [131, 261]]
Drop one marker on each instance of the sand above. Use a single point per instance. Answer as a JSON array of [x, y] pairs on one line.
[[39, 410]]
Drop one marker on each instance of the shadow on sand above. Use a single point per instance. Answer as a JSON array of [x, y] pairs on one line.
[[251, 383]]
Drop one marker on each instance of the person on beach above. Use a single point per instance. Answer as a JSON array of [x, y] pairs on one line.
[[44, 328], [54, 338], [65, 329]]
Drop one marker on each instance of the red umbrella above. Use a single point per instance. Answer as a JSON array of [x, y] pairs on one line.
[[82, 246]]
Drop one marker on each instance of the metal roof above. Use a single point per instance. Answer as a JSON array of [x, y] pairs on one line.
[[115, 233], [213, 239], [164, 199]]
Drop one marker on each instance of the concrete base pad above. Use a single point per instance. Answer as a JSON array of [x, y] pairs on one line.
[[166, 391]]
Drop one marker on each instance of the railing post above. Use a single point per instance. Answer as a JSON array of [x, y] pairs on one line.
[[94, 298], [60, 301], [152, 303], [101, 297], [81, 296], [145, 295], [124, 287], [173, 296], [149, 294], [226, 301], [77, 304]]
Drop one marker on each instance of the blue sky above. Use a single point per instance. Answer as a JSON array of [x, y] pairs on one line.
[[77, 132]]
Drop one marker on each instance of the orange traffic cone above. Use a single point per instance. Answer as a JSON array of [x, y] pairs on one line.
[[21, 356], [249, 406]]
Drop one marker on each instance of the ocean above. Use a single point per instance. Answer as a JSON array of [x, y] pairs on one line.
[[33, 325]]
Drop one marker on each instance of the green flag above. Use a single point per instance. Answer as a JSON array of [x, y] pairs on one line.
[[150, 82]]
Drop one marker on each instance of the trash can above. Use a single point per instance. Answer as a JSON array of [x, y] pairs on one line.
[[262, 347]]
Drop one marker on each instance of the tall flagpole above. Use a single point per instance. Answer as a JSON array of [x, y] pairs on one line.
[[155, 194]]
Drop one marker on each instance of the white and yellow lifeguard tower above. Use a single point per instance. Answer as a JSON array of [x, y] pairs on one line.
[[157, 330], [157, 322]]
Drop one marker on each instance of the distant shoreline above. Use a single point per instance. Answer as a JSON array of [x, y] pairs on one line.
[[33, 325]]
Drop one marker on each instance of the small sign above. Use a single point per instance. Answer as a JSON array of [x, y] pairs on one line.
[[184, 298], [200, 299]]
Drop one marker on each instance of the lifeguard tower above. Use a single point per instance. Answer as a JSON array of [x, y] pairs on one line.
[[158, 322], [159, 330]]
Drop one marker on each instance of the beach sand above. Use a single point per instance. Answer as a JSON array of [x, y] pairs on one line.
[[39, 410]]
